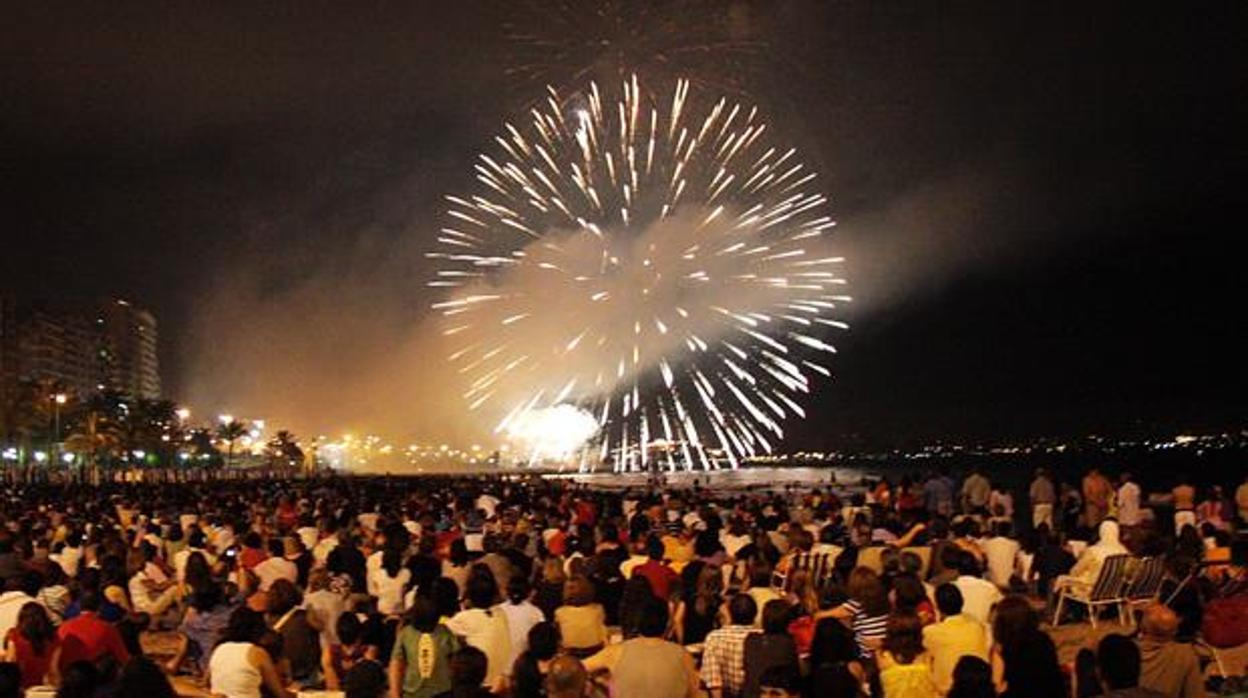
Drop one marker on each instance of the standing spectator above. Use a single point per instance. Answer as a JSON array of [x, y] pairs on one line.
[[1184, 496], [1168, 667], [975, 492], [420, 662], [1128, 501], [240, 667], [1097, 493], [1043, 497], [657, 572], [956, 636], [723, 653], [938, 495], [904, 672], [1023, 657], [648, 666], [1118, 667]]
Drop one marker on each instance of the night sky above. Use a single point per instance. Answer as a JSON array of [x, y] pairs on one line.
[[1039, 202]]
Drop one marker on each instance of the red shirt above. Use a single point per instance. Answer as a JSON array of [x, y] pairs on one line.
[[250, 557], [34, 666], [87, 638], [659, 575]]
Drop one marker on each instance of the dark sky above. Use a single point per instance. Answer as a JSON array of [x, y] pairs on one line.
[[1039, 201]]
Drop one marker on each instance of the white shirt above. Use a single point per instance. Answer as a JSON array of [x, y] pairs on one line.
[[488, 632], [273, 569], [521, 617], [388, 590], [1129, 504], [307, 535], [70, 559], [11, 603], [231, 672], [1001, 554], [978, 597]]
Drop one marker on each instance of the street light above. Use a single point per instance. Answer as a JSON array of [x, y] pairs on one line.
[[58, 400], [183, 414]]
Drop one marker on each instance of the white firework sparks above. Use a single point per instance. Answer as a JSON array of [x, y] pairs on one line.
[[651, 262]]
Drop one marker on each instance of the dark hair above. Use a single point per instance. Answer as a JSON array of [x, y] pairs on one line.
[[10, 680], [34, 625], [349, 628], [445, 595], [1118, 661], [252, 540], [283, 596], [654, 547], [578, 591], [866, 588], [908, 593], [424, 614], [948, 599], [468, 667], [972, 678], [544, 640], [518, 589], [391, 561], [904, 637], [141, 677], [1014, 619], [652, 618], [459, 552], [245, 625], [206, 598], [482, 589], [89, 600], [833, 643], [780, 676], [276, 547], [776, 617], [79, 680], [742, 609]]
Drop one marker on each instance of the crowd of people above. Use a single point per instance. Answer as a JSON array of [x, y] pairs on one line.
[[423, 587]]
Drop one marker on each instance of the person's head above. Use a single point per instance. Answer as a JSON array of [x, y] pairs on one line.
[[468, 667], [833, 644], [276, 547], [283, 596], [1013, 619], [544, 640], [366, 679], [34, 625], [424, 614], [776, 617], [742, 609], [972, 678], [948, 600], [518, 589], [1159, 623], [89, 599], [908, 593], [760, 574], [482, 589], [867, 589], [578, 591], [779, 681], [654, 548], [445, 594], [10, 680], [349, 628], [244, 625], [1118, 662], [566, 678], [459, 552], [904, 637], [80, 679], [142, 677], [652, 617]]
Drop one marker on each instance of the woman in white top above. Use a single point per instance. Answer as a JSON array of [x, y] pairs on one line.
[[388, 582], [239, 666]]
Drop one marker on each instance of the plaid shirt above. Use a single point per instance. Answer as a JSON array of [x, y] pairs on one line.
[[723, 659]]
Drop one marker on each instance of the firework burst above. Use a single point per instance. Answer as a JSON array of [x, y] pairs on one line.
[[656, 263]]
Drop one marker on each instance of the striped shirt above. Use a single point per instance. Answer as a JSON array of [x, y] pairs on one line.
[[866, 628]]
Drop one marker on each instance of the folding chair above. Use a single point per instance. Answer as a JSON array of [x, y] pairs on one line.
[[1105, 591], [1145, 585]]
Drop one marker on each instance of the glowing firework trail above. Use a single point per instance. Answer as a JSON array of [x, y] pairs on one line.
[[655, 263]]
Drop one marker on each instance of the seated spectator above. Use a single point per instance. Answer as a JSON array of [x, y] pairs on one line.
[[723, 653], [656, 571], [648, 665], [581, 621], [779, 682], [522, 615], [88, 638], [482, 626], [529, 672], [972, 678], [904, 672], [1118, 667], [771, 648], [1001, 554], [1023, 657], [350, 650], [1168, 667], [1088, 567], [239, 666], [567, 678], [201, 629], [978, 594], [910, 596], [866, 611], [300, 640], [33, 646], [275, 566], [956, 636], [420, 662], [468, 674], [143, 677], [697, 610]]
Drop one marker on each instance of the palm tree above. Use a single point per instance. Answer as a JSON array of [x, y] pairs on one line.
[[97, 436], [230, 432], [283, 450]]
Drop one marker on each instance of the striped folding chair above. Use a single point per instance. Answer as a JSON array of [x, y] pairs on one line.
[[1145, 585], [1107, 590]]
